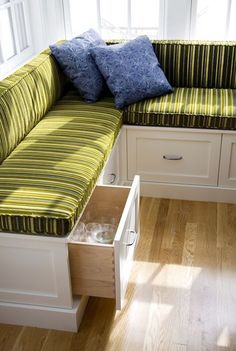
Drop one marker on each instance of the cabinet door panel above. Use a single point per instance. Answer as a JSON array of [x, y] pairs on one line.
[[228, 161]]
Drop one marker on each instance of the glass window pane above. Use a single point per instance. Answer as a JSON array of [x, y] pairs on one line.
[[83, 15], [211, 19], [111, 17], [144, 13], [114, 18], [114, 13], [8, 47], [20, 22]]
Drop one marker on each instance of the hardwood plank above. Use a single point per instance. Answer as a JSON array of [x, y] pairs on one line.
[[181, 294], [8, 336], [31, 339], [57, 341]]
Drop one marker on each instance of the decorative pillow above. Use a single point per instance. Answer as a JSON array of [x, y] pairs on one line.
[[131, 70], [78, 65]]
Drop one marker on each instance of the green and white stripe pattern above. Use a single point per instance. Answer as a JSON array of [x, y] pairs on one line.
[[25, 97], [47, 179], [49, 165], [198, 64], [187, 108]]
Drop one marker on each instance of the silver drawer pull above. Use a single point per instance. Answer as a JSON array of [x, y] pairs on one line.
[[133, 238], [172, 157], [113, 178]]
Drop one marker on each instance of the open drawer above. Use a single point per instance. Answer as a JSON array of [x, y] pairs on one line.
[[103, 269]]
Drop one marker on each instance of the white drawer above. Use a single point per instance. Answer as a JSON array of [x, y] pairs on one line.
[[99, 269], [174, 157]]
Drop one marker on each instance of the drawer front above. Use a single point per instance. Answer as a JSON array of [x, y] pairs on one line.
[[174, 157], [228, 161], [103, 270], [126, 241]]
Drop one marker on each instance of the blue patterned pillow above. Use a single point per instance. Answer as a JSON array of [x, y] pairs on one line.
[[76, 62], [131, 70]]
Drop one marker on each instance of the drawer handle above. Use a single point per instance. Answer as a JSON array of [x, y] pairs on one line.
[[113, 178], [133, 238], [172, 157]]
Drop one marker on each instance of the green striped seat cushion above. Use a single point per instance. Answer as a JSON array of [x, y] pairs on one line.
[[47, 179], [25, 97], [187, 108]]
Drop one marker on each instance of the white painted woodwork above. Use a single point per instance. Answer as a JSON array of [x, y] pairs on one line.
[[198, 156], [110, 174], [126, 241], [188, 192], [228, 161], [44, 317], [34, 270], [112, 204]]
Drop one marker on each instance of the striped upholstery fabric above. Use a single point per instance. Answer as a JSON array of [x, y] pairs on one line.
[[197, 63], [25, 97], [188, 108], [47, 179]]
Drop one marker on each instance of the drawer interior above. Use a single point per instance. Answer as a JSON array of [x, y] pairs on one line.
[[92, 265], [106, 204]]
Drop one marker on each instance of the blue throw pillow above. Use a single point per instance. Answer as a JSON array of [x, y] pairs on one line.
[[78, 65], [131, 70]]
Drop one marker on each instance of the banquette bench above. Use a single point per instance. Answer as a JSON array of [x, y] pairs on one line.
[[55, 148]]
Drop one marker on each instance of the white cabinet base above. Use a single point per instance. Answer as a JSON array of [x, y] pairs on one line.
[[44, 317], [228, 161], [188, 192], [204, 173]]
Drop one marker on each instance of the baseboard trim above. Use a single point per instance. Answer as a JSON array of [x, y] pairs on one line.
[[44, 317], [187, 192]]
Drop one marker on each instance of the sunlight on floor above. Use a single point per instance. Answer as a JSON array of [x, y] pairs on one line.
[[167, 275]]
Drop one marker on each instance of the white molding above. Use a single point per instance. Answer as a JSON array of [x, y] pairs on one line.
[[44, 317], [182, 130], [186, 192]]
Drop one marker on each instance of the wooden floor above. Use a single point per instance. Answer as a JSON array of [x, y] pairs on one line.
[[182, 292]]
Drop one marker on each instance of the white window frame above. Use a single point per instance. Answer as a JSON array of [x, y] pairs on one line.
[[7, 65], [68, 29], [129, 28]]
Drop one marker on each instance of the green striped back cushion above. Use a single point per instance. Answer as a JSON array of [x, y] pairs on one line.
[[25, 97], [198, 64]]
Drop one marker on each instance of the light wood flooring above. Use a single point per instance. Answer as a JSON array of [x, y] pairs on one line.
[[182, 292]]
